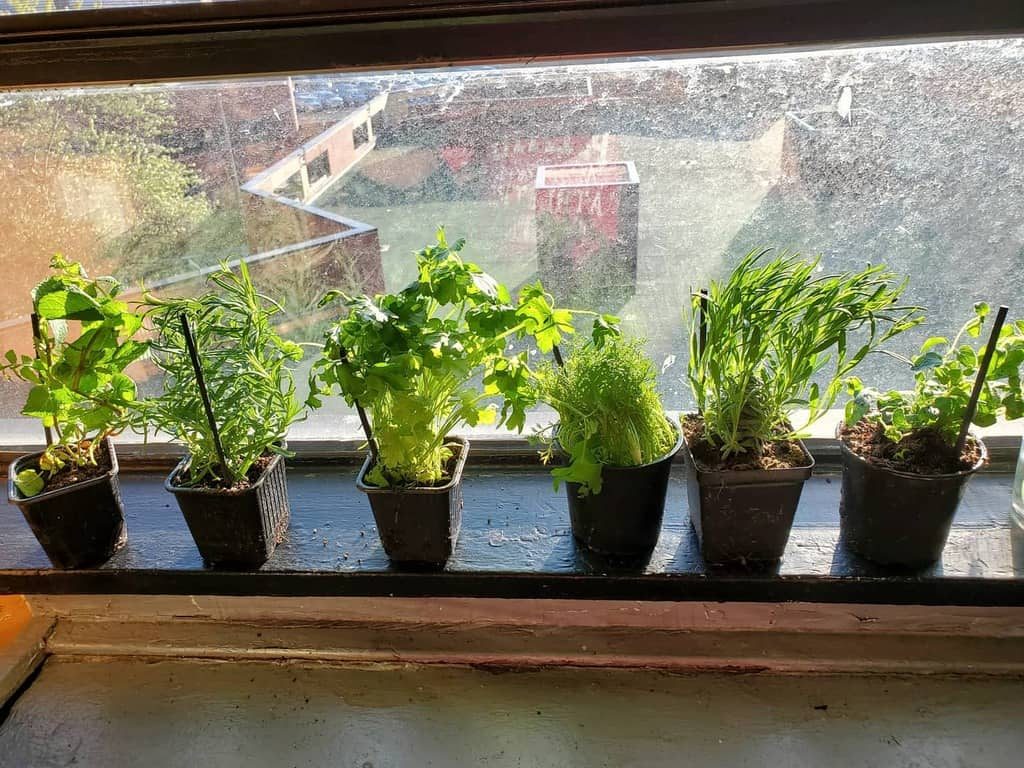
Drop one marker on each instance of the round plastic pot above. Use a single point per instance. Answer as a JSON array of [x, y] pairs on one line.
[[899, 519], [418, 526], [235, 528], [743, 516], [80, 525], [624, 519]]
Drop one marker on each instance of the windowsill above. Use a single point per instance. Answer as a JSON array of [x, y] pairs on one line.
[[516, 543]]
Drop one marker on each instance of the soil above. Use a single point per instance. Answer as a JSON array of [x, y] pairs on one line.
[[70, 475], [782, 454], [255, 472], [924, 452]]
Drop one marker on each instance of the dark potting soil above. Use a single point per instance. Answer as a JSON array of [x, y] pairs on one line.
[[70, 474], [782, 454], [255, 472], [924, 452]]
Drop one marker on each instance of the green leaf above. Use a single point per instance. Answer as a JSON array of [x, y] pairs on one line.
[[69, 304], [29, 483], [934, 341], [926, 361]]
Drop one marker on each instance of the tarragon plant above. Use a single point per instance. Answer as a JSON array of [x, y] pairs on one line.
[[944, 374], [774, 326], [248, 370], [80, 391], [426, 359]]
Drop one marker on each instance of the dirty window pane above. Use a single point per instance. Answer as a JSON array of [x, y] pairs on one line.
[[11, 7], [621, 185]]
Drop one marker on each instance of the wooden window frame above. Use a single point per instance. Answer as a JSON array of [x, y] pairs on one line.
[[270, 37]]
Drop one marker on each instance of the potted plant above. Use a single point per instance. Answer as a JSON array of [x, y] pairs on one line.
[[69, 492], [407, 361], [907, 456], [618, 442], [772, 337], [229, 397]]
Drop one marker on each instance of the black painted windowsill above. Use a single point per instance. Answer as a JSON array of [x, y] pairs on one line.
[[516, 543]]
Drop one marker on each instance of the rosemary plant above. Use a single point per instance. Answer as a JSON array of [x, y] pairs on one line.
[[247, 367], [774, 326]]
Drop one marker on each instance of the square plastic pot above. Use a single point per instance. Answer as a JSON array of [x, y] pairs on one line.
[[80, 525], [743, 516], [624, 519], [418, 526], [898, 519], [235, 528]]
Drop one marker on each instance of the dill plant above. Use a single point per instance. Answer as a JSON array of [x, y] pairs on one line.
[[248, 370], [413, 360], [609, 410], [772, 327]]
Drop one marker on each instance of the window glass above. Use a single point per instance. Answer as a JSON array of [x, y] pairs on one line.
[[10, 7], [622, 185]]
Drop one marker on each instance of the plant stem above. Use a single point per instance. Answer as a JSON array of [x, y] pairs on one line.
[[193, 354], [363, 420], [37, 337], [979, 380]]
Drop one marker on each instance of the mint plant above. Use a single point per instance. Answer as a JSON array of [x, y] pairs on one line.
[[609, 411], [248, 369], [944, 374], [772, 327], [80, 391], [412, 359]]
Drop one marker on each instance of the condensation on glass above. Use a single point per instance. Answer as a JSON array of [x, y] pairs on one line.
[[623, 186]]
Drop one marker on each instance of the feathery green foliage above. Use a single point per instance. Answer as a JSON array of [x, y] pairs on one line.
[[609, 411], [410, 358], [944, 374], [771, 328], [248, 371], [79, 387]]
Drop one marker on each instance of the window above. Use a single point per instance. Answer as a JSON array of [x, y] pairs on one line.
[[622, 184]]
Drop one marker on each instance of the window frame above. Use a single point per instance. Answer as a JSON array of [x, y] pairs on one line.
[[268, 37]]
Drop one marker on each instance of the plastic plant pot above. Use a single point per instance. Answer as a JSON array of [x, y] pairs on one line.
[[235, 528], [80, 525], [418, 526], [624, 519], [744, 515], [899, 519]]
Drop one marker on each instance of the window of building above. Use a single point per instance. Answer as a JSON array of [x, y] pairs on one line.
[[623, 185]]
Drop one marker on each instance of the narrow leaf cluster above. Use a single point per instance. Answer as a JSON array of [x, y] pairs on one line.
[[248, 370], [772, 328], [609, 411], [944, 374], [79, 388]]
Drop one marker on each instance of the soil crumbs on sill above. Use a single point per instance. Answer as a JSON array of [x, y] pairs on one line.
[[71, 475], [923, 453], [784, 454]]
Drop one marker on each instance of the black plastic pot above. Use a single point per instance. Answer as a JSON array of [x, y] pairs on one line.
[[624, 519], [743, 515], [235, 528], [898, 518], [418, 526], [80, 525]]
